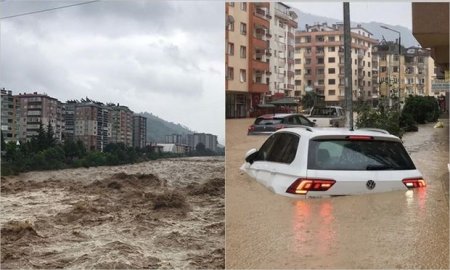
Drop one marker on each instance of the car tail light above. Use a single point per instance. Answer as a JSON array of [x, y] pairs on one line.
[[302, 186], [251, 128], [279, 126], [359, 137], [414, 182]]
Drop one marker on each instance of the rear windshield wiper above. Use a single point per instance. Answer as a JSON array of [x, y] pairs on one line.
[[379, 167]]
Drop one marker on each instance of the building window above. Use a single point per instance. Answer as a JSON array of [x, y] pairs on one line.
[[320, 61], [331, 71], [231, 25], [243, 75], [298, 72], [331, 92], [243, 52], [230, 50], [395, 69], [331, 49], [368, 54], [331, 60], [368, 83], [395, 57], [298, 61], [331, 81], [243, 6], [331, 38], [368, 73], [298, 82], [320, 71], [231, 4], [243, 29], [368, 64]]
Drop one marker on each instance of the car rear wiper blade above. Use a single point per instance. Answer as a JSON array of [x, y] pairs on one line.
[[379, 167]]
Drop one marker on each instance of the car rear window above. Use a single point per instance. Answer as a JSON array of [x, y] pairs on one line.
[[324, 111], [265, 121], [358, 155]]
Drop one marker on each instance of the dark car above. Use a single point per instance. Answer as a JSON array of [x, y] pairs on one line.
[[269, 123]]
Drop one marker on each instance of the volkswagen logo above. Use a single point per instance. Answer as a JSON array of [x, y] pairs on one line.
[[370, 184]]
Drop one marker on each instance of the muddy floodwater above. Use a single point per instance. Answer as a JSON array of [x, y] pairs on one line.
[[159, 214], [401, 229]]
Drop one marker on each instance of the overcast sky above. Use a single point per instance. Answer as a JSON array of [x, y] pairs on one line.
[[389, 12], [166, 58]]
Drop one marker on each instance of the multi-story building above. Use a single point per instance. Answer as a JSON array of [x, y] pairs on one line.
[[139, 131], [93, 124], [319, 62], [32, 110], [176, 138], [122, 124], [251, 75], [8, 127], [208, 140], [282, 42], [411, 71], [419, 71], [69, 120]]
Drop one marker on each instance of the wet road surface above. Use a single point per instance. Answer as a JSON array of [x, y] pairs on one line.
[[401, 229]]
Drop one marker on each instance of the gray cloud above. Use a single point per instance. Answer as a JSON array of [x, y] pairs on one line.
[[117, 51]]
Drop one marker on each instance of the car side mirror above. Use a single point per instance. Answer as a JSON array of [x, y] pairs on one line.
[[251, 155]]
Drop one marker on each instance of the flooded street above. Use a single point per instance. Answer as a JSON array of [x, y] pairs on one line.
[[402, 229], [159, 214]]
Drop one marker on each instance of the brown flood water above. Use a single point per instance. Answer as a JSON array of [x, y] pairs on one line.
[[159, 214], [387, 230]]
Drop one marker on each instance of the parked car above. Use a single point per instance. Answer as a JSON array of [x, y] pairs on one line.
[[327, 116], [269, 123], [310, 162]]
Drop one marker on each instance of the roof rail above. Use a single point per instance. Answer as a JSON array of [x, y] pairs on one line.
[[375, 130], [307, 128]]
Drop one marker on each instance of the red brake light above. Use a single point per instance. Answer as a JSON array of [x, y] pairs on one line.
[[279, 126], [414, 182], [302, 186], [359, 137], [251, 128]]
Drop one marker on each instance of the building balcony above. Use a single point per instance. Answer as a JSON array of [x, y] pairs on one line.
[[308, 76], [259, 19], [293, 24], [290, 35], [320, 76], [260, 43], [290, 61], [260, 65], [290, 74], [360, 55], [290, 86], [259, 88]]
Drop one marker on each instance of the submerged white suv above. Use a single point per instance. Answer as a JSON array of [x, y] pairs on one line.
[[312, 162]]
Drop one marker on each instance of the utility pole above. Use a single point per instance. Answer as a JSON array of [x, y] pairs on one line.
[[348, 68]]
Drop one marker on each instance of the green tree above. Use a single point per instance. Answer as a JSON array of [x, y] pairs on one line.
[[50, 134], [308, 99]]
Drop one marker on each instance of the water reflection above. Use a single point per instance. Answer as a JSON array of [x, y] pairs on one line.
[[314, 223]]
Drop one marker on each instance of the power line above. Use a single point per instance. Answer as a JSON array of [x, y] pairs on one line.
[[44, 10]]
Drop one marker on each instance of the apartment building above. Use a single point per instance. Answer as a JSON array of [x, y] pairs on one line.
[[93, 124], [139, 131], [8, 127], [32, 109], [282, 43], [256, 33], [69, 120], [122, 124], [319, 62], [412, 71], [208, 140]]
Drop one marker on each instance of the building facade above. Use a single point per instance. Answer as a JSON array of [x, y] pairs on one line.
[[282, 43], [93, 125], [122, 124], [32, 109], [259, 54], [319, 62], [139, 131], [8, 126]]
